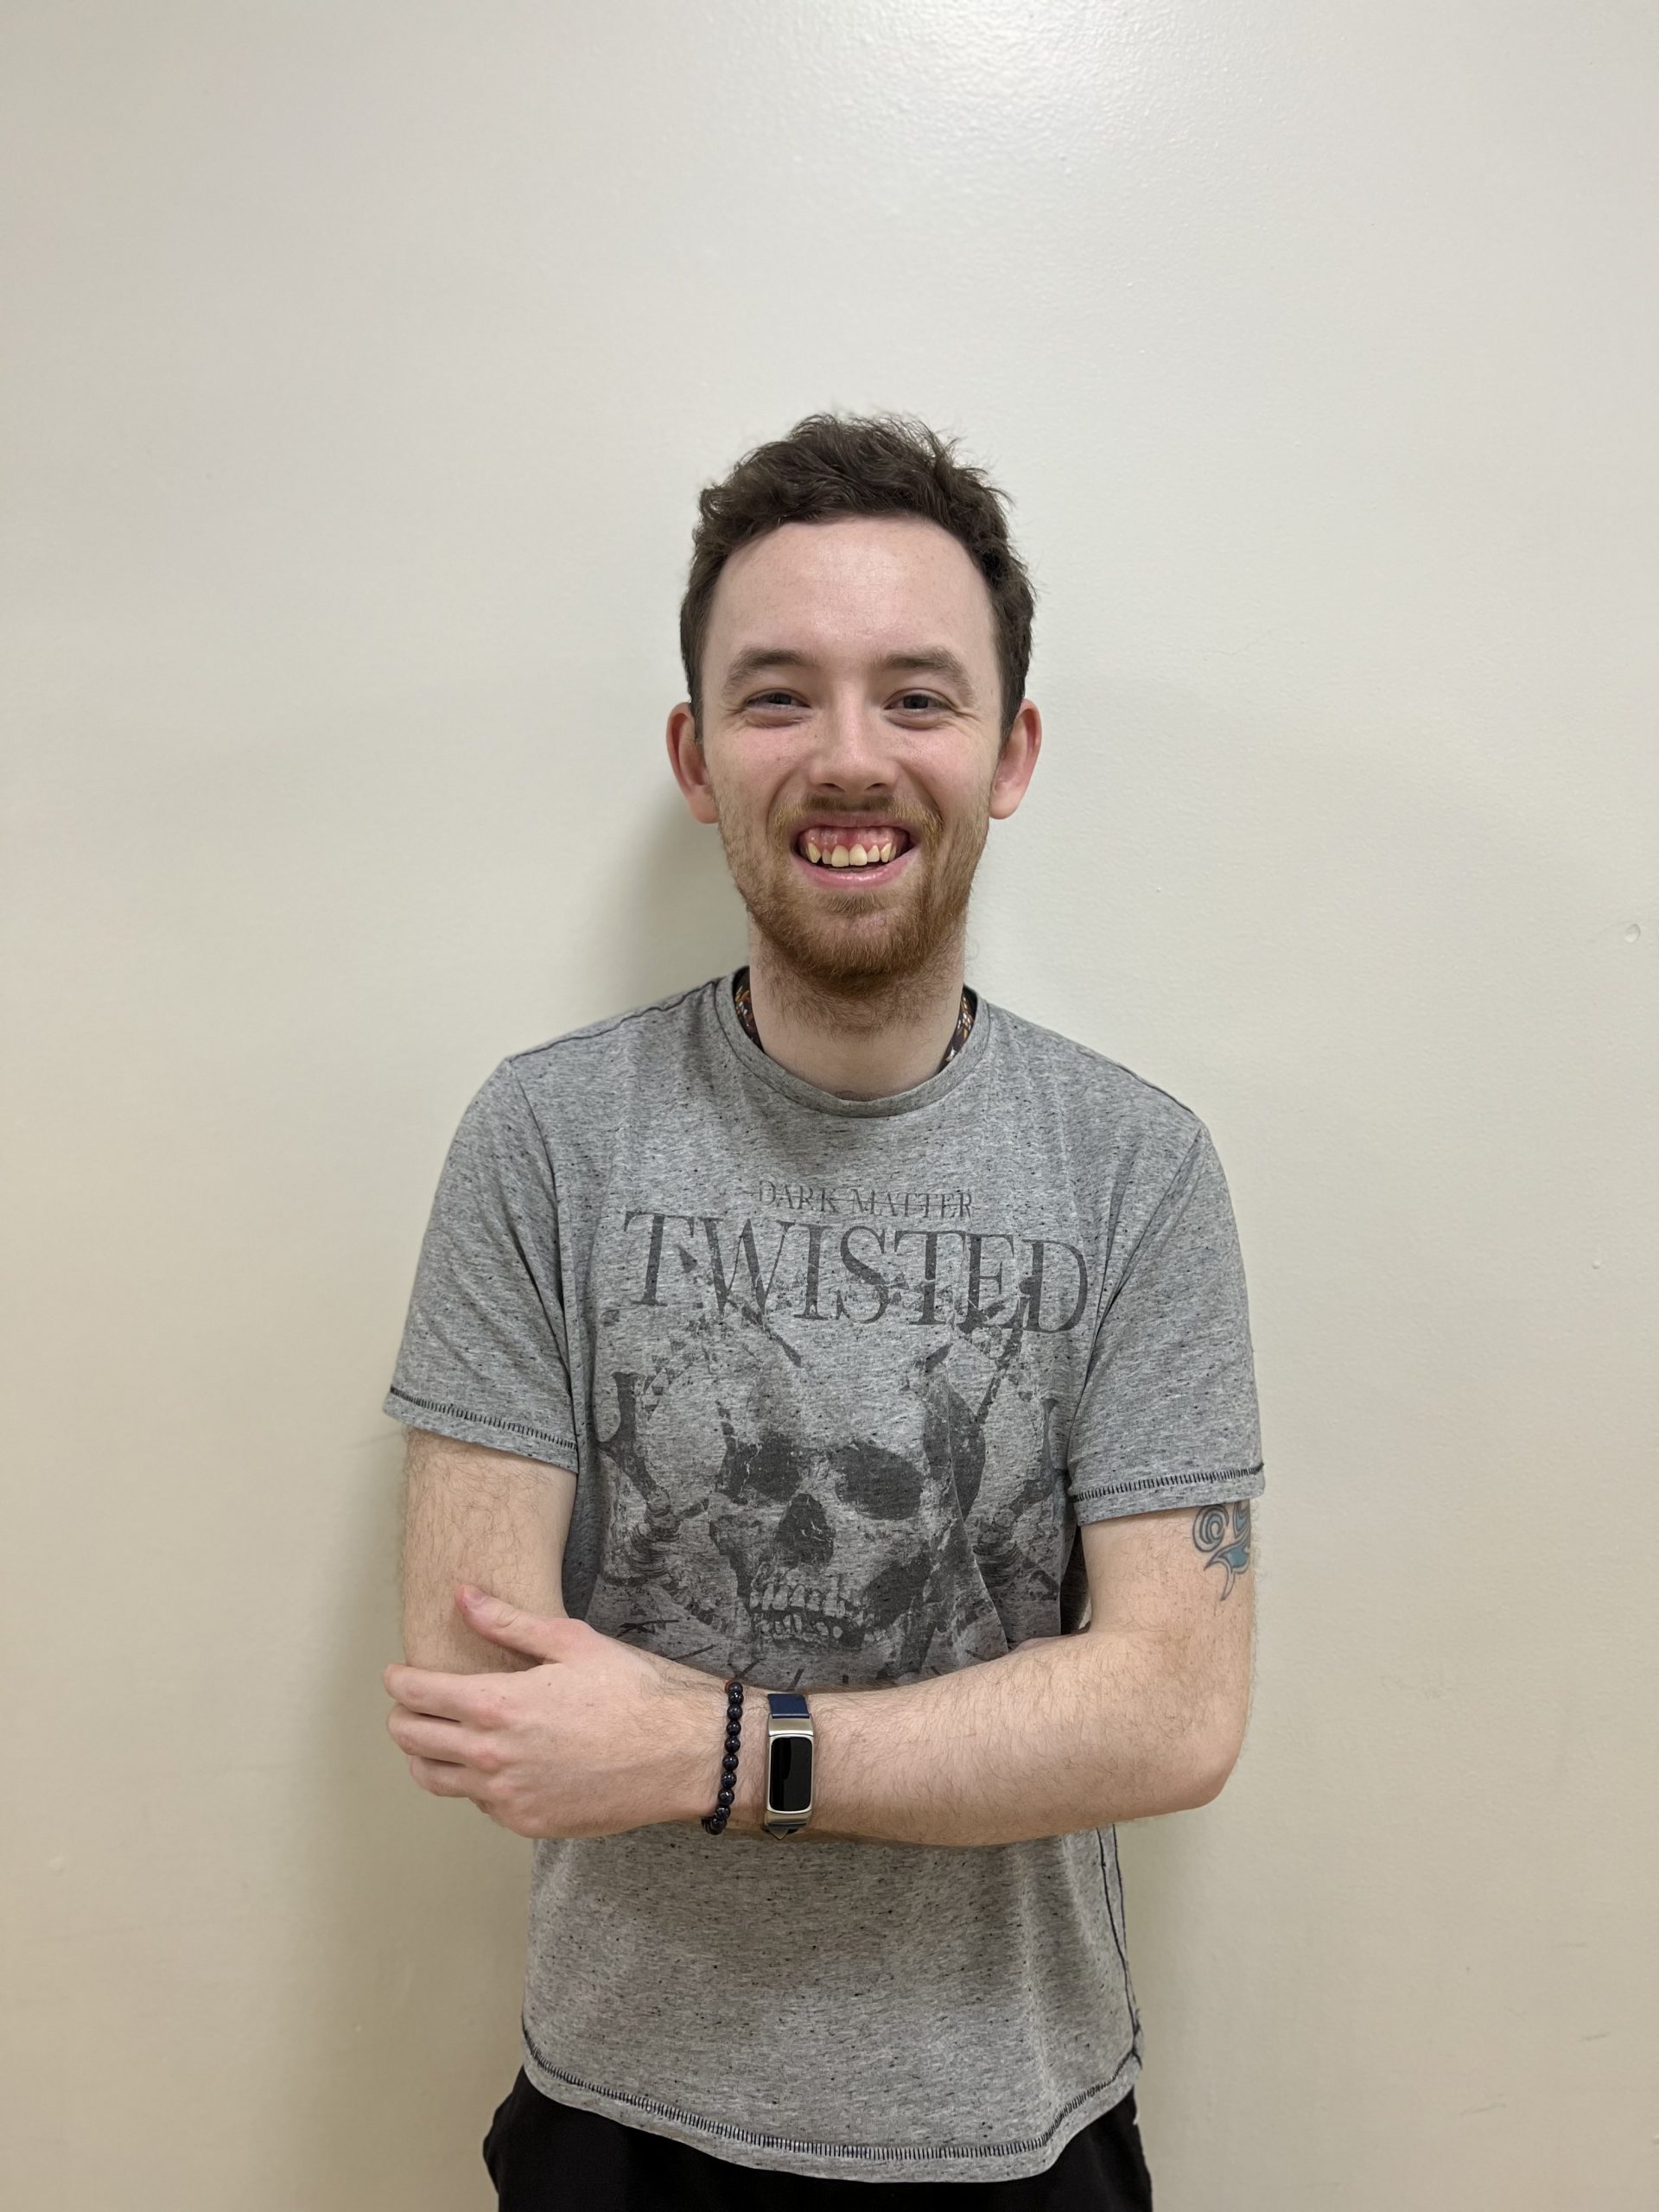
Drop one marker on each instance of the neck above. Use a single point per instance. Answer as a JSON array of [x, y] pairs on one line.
[[884, 1036]]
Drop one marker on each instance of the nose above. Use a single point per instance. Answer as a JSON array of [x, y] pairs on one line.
[[851, 750], [804, 1537]]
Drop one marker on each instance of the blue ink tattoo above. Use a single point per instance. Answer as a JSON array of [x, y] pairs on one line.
[[1223, 1533]]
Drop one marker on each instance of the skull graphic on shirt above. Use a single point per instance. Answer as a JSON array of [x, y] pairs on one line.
[[843, 1548], [832, 1557], [746, 1534]]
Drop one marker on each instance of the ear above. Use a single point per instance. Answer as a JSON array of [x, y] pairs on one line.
[[685, 757], [1017, 762]]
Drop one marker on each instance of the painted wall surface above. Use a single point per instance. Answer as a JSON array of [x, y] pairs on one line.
[[365, 362]]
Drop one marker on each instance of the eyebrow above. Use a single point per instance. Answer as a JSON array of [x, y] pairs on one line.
[[933, 660]]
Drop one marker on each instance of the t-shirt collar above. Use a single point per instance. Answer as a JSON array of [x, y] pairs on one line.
[[760, 1064]]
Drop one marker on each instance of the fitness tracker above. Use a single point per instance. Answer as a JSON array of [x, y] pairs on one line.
[[789, 1764]]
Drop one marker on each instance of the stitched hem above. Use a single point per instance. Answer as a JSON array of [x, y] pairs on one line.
[[1117, 1919], [462, 1416], [941, 1083], [909, 2154], [1218, 1485], [615, 1021]]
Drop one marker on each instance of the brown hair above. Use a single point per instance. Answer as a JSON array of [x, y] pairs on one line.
[[861, 465]]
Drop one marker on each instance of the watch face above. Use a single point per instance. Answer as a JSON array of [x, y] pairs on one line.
[[790, 1790]]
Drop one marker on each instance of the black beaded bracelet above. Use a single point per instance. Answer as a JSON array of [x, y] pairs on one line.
[[715, 1821]]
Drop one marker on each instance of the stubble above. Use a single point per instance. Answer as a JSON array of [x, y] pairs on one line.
[[858, 971]]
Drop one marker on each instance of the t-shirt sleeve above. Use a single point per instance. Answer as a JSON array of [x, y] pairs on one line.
[[1168, 1415], [484, 1355]]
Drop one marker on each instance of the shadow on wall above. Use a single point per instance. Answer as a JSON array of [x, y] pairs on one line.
[[405, 1982], [680, 920]]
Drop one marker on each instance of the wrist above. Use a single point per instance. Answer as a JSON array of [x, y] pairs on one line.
[[749, 1808]]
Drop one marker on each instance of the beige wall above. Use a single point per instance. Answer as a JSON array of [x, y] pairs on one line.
[[368, 360]]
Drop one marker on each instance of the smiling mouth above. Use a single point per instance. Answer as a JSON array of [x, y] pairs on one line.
[[864, 853]]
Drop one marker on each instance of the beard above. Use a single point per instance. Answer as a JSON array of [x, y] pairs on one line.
[[872, 946]]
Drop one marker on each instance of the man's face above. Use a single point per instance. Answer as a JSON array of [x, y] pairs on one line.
[[851, 687]]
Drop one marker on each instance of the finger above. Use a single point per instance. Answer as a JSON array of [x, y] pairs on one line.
[[501, 1622], [445, 1781], [444, 1741], [450, 1697]]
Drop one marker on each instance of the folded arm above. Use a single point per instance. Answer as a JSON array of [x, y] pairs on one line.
[[490, 1517], [1143, 1712]]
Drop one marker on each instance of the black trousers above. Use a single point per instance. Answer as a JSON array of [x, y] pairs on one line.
[[547, 2156]]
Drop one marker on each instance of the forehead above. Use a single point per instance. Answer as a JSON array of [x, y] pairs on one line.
[[852, 587]]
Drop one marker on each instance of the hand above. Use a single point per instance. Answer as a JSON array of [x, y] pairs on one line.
[[601, 1737]]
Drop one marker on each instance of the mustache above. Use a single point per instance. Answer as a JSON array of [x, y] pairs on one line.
[[830, 816]]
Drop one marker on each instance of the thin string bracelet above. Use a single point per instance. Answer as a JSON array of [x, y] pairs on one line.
[[715, 1821]]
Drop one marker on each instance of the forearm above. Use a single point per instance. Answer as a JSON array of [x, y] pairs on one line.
[[1142, 1714], [1063, 1734]]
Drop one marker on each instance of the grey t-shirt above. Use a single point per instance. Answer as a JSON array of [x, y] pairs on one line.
[[838, 1379]]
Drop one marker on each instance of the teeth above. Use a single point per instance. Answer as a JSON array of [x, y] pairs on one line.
[[874, 854]]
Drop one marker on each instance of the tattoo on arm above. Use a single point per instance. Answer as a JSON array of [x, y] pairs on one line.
[[1221, 1532]]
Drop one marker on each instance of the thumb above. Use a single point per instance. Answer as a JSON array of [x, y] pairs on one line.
[[492, 1617]]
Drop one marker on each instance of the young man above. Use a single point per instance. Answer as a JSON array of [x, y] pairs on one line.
[[829, 1330]]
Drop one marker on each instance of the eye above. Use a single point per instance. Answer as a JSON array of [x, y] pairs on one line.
[[878, 1483], [920, 702], [771, 699], [771, 1467]]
